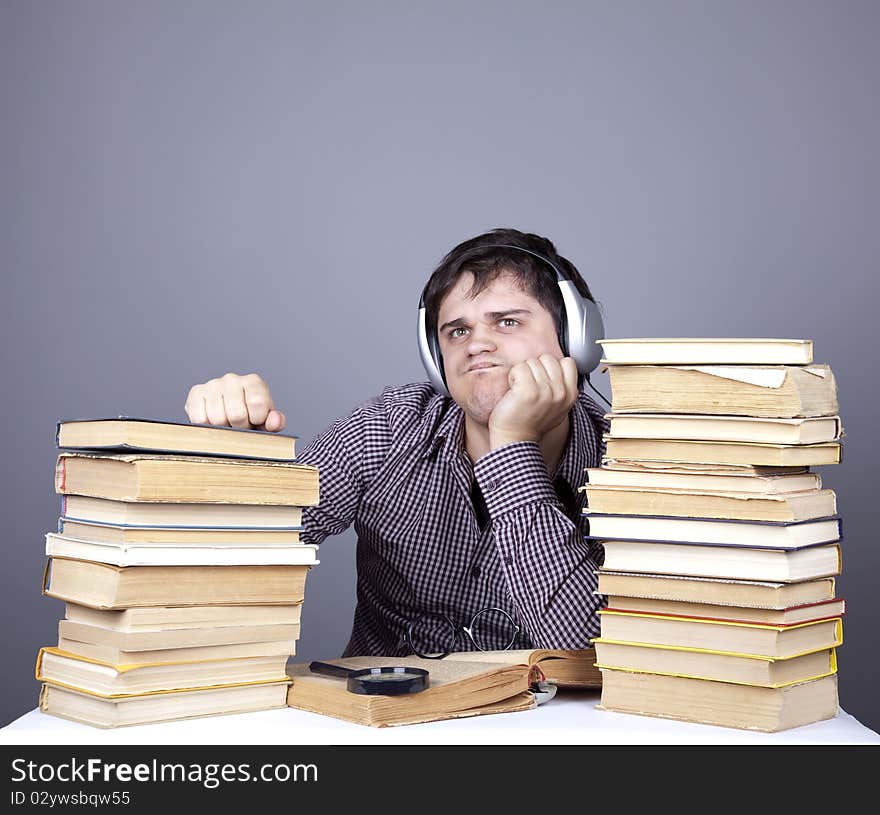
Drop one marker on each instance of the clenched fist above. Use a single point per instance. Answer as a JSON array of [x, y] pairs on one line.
[[542, 392], [234, 400]]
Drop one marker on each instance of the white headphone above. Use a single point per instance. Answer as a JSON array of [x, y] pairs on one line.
[[582, 326]]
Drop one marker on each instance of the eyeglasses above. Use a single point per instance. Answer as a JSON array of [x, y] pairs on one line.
[[435, 636]]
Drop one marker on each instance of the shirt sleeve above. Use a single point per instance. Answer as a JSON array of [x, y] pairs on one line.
[[550, 567], [346, 455]]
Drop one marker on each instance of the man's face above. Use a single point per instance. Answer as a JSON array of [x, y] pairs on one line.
[[482, 337]]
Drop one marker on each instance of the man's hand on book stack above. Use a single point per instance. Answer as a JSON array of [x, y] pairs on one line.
[[234, 400]]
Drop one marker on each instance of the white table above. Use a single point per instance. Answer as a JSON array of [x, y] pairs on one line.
[[570, 718]]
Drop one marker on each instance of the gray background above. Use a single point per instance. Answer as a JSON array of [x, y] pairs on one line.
[[201, 187]]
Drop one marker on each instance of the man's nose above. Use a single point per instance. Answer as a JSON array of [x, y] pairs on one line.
[[480, 340]]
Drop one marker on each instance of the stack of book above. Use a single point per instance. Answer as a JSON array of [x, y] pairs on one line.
[[178, 556], [721, 546]]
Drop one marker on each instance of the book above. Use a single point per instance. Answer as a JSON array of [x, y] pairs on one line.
[[780, 391], [805, 612], [703, 478], [186, 479], [723, 452], [798, 506], [167, 639], [457, 689], [700, 427], [133, 514], [564, 668], [57, 667], [182, 554], [731, 532], [136, 433], [103, 585], [201, 653], [171, 618], [717, 591], [734, 562], [155, 707], [719, 703], [721, 635], [115, 533], [741, 670], [706, 350]]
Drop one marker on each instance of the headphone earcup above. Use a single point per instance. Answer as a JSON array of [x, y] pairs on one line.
[[583, 326], [429, 352]]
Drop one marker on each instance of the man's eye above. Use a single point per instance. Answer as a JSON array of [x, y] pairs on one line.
[[508, 322], [455, 333]]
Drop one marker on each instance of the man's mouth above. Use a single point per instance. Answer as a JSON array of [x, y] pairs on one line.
[[481, 366]]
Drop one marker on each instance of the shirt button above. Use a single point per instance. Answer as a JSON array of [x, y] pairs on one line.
[[509, 561], [491, 485], [475, 572]]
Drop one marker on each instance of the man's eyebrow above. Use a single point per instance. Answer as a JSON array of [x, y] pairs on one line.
[[511, 312], [459, 322], [492, 316]]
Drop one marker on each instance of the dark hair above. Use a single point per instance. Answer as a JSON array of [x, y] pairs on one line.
[[482, 257]]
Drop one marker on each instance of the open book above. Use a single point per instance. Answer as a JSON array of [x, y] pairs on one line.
[[564, 668], [457, 688]]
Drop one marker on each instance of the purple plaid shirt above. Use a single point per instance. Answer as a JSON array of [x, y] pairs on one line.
[[396, 467]]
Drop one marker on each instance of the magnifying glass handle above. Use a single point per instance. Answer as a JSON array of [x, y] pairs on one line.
[[327, 669]]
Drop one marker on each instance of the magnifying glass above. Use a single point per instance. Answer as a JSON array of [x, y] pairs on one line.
[[380, 681]]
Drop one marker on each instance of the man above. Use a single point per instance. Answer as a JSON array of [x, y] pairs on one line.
[[466, 505]]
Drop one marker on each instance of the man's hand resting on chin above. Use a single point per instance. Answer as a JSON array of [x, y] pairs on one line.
[[542, 392]]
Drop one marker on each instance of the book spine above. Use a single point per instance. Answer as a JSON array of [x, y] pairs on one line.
[[61, 474]]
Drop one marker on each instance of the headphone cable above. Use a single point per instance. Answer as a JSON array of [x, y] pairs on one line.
[[593, 388]]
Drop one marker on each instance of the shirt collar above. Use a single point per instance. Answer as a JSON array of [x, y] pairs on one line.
[[448, 435]]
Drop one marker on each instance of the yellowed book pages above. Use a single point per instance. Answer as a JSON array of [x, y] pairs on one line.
[[177, 437], [176, 638], [799, 506], [182, 554], [87, 508], [784, 392], [716, 591], [723, 452], [169, 618], [564, 668], [73, 671], [457, 689], [718, 667], [724, 428], [159, 707], [104, 586], [202, 653], [703, 478], [186, 479], [706, 351], [107, 533], [784, 616], [732, 562], [719, 703], [744, 639]]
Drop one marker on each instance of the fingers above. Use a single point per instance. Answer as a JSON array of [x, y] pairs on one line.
[[571, 378], [275, 421], [195, 405], [556, 379], [256, 400], [236, 401]]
